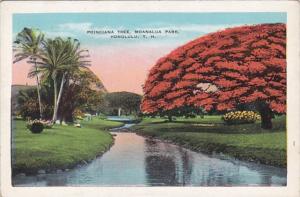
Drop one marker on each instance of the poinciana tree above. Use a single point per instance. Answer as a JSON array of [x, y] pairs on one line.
[[220, 71]]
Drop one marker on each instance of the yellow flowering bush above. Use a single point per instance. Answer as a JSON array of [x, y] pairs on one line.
[[240, 117]]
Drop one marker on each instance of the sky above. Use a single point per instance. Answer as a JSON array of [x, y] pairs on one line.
[[121, 63]]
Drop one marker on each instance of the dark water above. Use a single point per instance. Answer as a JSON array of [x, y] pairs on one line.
[[137, 161]]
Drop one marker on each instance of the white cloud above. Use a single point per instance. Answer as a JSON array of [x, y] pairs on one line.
[[79, 27], [53, 34], [68, 30]]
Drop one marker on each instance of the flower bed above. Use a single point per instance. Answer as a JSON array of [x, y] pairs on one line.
[[240, 117], [37, 126]]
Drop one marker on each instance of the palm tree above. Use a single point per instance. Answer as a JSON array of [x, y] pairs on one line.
[[28, 45], [60, 59]]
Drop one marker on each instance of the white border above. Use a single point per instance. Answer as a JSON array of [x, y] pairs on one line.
[[291, 7]]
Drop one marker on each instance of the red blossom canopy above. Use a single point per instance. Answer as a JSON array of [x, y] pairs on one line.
[[240, 65]]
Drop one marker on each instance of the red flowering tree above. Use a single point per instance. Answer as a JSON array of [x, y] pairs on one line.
[[220, 71]]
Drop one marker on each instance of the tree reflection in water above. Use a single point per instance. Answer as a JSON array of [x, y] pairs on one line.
[[166, 164], [187, 166], [160, 168]]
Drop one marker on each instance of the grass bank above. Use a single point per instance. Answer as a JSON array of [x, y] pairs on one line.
[[246, 142], [60, 147]]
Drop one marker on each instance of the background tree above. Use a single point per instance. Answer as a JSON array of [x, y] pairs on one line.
[[129, 102], [222, 70], [28, 44], [86, 92]]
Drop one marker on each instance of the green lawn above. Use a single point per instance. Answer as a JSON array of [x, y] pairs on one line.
[[60, 147], [246, 141]]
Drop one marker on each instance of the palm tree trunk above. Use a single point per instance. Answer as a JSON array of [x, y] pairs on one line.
[[55, 98], [38, 92], [56, 104]]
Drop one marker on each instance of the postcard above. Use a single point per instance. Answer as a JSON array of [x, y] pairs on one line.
[[156, 98]]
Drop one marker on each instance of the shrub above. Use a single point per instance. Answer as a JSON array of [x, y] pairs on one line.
[[37, 126], [240, 117]]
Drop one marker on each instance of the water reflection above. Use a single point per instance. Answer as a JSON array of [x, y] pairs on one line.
[[167, 164], [187, 166], [136, 161], [212, 175], [160, 166]]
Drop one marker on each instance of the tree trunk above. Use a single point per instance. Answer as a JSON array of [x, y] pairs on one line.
[[55, 100], [170, 118], [38, 92], [58, 98], [266, 116], [119, 111]]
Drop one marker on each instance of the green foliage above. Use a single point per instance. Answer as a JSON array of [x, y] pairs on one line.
[[186, 111], [240, 117], [83, 92], [28, 43], [30, 109], [28, 105]]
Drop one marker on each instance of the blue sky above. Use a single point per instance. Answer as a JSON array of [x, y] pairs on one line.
[[189, 25]]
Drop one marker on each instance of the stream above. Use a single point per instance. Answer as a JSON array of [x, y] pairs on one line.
[[134, 160]]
